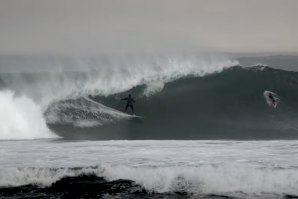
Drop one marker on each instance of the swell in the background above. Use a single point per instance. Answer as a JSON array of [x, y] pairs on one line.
[[98, 77]]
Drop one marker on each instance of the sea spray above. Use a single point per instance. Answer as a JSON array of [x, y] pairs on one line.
[[21, 118], [110, 75], [57, 92]]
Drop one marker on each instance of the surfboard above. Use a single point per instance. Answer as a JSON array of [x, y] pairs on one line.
[[101, 105], [136, 116], [269, 100]]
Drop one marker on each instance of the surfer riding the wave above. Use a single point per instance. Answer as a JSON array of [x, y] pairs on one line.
[[271, 98], [129, 104]]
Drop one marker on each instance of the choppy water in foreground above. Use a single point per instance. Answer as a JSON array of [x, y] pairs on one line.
[[149, 169]]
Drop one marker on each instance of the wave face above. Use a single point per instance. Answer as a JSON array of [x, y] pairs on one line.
[[189, 98], [224, 105]]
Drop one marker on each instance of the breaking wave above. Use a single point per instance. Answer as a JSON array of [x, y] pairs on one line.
[[190, 98], [217, 180], [224, 105], [62, 97]]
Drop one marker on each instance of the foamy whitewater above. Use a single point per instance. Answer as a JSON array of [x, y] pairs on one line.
[[21, 118], [206, 129], [245, 169]]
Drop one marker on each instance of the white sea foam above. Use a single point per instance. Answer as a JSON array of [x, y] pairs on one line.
[[199, 167], [227, 179], [21, 118], [210, 179], [37, 176]]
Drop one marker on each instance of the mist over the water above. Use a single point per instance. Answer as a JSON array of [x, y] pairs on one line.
[[72, 77]]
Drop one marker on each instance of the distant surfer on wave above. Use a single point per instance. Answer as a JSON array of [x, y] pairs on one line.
[[271, 98], [129, 104]]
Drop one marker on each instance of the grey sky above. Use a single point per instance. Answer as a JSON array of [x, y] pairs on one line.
[[91, 27]]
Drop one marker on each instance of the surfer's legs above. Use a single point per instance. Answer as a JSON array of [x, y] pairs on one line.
[[126, 108], [131, 107]]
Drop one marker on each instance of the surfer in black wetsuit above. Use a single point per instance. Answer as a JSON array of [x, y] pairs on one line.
[[272, 98], [130, 102]]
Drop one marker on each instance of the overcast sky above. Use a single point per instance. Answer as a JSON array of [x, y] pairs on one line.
[[30, 27]]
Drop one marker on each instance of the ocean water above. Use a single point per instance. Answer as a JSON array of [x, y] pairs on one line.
[[149, 169], [206, 130]]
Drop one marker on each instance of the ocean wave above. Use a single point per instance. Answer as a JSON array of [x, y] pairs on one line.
[[229, 180], [61, 96], [179, 99], [225, 105]]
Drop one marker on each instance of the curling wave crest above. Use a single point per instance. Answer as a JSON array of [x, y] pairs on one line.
[[48, 91]]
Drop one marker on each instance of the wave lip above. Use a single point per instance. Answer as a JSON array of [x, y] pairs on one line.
[[83, 112], [108, 76]]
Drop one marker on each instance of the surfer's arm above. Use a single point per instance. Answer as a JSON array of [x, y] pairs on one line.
[[124, 98]]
